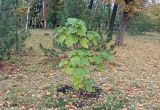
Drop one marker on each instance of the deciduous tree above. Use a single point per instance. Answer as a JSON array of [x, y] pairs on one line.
[[130, 7]]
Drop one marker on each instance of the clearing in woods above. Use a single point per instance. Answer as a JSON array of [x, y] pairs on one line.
[[26, 80]]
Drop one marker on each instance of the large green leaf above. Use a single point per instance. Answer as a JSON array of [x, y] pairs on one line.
[[80, 72], [105, 55], [89, 88], [80, 53], [71, 21], [83, 53], [95, 42], [88, 84], [96, 34], [93, 36], [73, 53], [72, 30], [81, 33], [95, 59], [76, 81], [74, 61], [82, 23], [60, 30], [82, 28], [84, 61], [61, 38], [90, 35], [71, 40], [69, 70], [62, 63], [84, 42], [100, 67]]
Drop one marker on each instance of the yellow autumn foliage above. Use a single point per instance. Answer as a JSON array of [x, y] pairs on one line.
[[153, 11]]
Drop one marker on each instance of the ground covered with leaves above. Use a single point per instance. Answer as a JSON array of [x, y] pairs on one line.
[[30, 81]]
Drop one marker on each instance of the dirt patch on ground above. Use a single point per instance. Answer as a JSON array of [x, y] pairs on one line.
[[9, 68]]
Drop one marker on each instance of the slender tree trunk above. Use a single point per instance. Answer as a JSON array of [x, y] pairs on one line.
[[122, 29], [90, 4], [27, 20], [123, 25], [112, 20], [45, 13]]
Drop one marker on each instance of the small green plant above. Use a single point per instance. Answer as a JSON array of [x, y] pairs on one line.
[[81, 57]]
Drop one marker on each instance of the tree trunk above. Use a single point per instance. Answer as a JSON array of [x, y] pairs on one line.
[[123, 25], [112, 20], [27, 20], [90, 4], [45, 13], [122, 29]]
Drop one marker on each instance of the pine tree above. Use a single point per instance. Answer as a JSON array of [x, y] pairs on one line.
[[9, 32]]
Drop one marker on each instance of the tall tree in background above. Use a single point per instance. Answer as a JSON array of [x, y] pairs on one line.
[[53, 9], [45, 13], [112, 21], [123, 25], [27, 6], [131, 7]]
